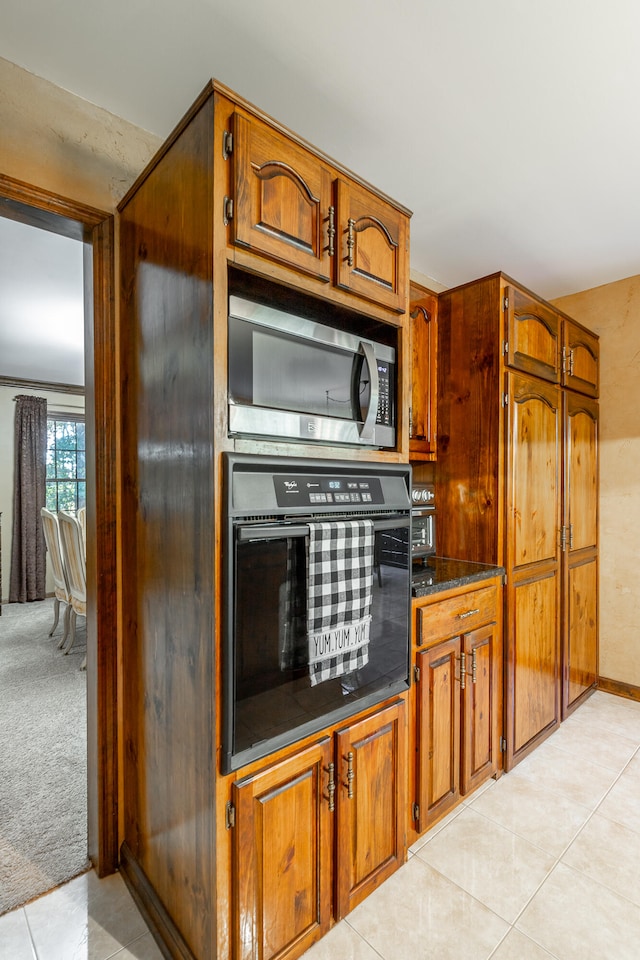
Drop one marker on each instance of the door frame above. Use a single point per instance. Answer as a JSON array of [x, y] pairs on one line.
[[95, 228]]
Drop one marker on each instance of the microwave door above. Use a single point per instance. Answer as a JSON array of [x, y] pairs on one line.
[[366, 430]]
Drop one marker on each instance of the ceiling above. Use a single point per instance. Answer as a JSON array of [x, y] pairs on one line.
[[509, 128]]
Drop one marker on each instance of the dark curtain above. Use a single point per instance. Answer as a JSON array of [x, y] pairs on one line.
[[28, 554]]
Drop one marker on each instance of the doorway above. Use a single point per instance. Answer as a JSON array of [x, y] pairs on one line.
[[35, 207]]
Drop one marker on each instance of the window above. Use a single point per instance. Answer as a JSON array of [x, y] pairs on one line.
[[66, 474]]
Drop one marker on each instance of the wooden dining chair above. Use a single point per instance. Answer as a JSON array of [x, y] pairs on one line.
[[62, 594], [73, 553]]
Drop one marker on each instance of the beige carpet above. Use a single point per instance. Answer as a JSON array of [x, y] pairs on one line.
[[43, 754]]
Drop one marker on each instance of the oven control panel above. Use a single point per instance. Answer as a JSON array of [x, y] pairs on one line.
[[312, 491]]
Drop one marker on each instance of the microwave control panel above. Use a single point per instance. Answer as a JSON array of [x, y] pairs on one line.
[[312, 491], [385, 412]]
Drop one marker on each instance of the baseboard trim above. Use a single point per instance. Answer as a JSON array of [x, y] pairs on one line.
[[619, 688], [164, 930]]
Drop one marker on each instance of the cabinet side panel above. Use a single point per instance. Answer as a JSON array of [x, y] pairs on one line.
[[168, 530], [469, 423]]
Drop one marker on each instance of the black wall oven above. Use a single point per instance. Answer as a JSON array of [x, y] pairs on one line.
[[317, 615]]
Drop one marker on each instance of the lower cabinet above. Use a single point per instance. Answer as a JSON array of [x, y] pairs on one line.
[[457, 696], [315, 833]]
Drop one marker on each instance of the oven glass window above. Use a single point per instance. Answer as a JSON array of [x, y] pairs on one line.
[[274, 701]]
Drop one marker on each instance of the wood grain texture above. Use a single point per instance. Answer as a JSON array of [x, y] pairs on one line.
[[283, 857], [438, 718], [423, 425], [168, 531], [533, 335], [534, 662], [372, 258], [282, 198], [582, 371], [371, 824], [481, 706], [581, 638]]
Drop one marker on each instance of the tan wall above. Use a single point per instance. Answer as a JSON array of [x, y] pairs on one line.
[[59, 142], [613, 311]]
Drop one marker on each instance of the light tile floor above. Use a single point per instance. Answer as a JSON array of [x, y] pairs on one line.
[[543, 863]]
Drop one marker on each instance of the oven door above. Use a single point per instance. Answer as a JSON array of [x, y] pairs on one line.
[[269, 700]]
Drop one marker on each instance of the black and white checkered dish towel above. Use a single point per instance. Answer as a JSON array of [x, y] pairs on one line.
[[340, 582]]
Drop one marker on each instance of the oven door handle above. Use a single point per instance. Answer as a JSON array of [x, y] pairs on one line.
[[248, 532]]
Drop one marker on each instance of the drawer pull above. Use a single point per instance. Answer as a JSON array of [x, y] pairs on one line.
[[469, 613]]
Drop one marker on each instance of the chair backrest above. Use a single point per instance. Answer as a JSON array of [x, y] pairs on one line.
[[73, 553], [82, 517], [54, 547]]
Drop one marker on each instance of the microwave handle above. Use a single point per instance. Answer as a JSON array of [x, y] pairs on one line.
[[367, 428]]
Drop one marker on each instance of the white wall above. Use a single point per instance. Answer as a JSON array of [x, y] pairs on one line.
[[58, 402]]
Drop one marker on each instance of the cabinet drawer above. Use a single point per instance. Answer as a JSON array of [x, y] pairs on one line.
[[447, 618]]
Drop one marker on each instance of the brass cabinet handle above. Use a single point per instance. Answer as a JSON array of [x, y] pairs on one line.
[[331, 231], [469, 613], [463, 670], [350, 775], [474, 666], [331, 787], [350, 241]]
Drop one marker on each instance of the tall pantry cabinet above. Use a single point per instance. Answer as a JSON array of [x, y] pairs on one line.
[[517, 480]]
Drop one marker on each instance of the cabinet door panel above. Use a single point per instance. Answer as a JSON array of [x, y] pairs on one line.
[[438, 721], [534, 658], [480, 708], [282, 198], [533, 517], [581, 653], [581, 370], [370, 774], [424, 340], [282, 857], [581, 471], [373, 255], [533, 335]]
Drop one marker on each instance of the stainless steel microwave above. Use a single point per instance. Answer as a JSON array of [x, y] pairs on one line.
[[293, 378]]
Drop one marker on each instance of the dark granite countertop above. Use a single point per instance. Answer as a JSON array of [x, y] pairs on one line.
[[442, 573]]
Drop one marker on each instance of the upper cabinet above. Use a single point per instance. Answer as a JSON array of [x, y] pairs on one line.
[[292, 206], [580, 359], [283, 199], [423, 312], [543, 341], [372, 256], [532, 330]]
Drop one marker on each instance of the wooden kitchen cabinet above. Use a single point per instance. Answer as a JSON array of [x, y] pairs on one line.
[[581, 359], [458, 667], [288, 204], [580, 558], [283, 856], [532, 334], [315, 833], [282, 198], [371, 804], [373, 252], [513, 474], [423, 313]]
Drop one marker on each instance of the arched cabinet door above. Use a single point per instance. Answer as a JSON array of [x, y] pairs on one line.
[[373, 247], [282, 205], [580, 359], [532, 335]]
